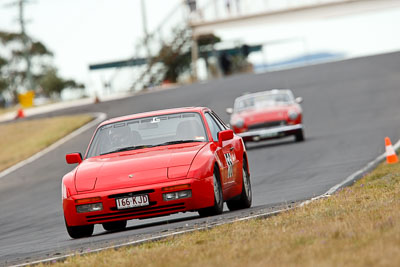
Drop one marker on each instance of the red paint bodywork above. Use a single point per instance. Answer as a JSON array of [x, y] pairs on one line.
[[268, 114], [269, 121], [153, 169]]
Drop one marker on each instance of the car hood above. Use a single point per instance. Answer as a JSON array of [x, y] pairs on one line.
[[255, 116], [135, 168]]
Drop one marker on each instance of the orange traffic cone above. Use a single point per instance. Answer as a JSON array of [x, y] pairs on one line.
[[391, 156], [20, 114]]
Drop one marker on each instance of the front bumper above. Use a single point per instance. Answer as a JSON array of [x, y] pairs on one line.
[[271, 133], [202, 196]]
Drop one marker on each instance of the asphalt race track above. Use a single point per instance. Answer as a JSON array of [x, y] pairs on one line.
[[349, 108]]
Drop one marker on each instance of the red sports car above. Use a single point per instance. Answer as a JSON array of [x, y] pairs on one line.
[[155, 164], [267, 115]]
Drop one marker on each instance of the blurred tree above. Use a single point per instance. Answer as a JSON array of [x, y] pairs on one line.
[[3, 79], [178, 61], [36, 49], [207, 39], [13, 75], [7, 37], [51, 84], [175, 62]]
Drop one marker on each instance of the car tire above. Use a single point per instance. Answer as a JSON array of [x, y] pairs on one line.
[[115, 226], [218, 206], [245, 198], [80, 231], [299, 136]]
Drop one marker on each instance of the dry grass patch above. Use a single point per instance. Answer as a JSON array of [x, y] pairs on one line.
[[5, 110], [21, 139], [359, 226]]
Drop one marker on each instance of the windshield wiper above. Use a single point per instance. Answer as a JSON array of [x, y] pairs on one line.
[[178, 142], [126, 149]]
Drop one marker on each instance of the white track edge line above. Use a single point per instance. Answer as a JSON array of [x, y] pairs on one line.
[[355, 176], [99, 117], [153, 238]]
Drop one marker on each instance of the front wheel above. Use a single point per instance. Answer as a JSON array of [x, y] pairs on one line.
[[245, 198], [299, 136], [80, 231], [218, 200]]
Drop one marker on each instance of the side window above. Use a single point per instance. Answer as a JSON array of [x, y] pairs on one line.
[[221, 124], [214, 127]]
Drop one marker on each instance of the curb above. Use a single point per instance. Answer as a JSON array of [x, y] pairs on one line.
[[99, 117]]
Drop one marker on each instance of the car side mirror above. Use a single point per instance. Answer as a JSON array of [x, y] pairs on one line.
[[229, 110], [73, 158], [224, 136], [299, 100]]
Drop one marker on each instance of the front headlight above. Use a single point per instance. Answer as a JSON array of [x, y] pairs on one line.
[[293, 115], [238, 123], [177, 195], [89, 207]]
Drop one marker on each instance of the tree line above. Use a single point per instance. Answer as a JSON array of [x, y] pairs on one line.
[[45, 79]]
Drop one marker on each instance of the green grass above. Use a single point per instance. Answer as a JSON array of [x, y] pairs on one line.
[[358, 226], [21, 139]]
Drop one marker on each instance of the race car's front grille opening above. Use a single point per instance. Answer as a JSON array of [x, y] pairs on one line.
[[152, 203], [266, 125], [131, 194], [150, 211]]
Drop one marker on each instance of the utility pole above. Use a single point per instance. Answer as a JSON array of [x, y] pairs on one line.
[[195, 57], [26, 44], [145, 31]]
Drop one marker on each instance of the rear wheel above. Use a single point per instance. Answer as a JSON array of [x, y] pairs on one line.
[[299, 136], [245, 198], [80, 231], [218, 200], [115, 226]]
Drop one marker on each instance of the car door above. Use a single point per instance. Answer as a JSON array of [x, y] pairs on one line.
[[235, 151], [225, 154]]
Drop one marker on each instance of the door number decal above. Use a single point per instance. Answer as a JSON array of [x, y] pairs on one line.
[[229, 162]]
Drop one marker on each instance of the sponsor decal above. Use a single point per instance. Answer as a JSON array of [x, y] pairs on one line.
[[229, 162], [155, 120]]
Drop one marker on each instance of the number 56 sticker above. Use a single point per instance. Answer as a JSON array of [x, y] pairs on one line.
[[229, 162]]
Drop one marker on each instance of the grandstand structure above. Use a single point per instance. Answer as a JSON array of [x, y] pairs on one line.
[[183, 25]]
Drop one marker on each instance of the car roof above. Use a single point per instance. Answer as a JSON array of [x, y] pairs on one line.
[[154, 113]]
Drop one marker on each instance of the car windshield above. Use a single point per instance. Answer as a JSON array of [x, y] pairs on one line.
[[148, 132], [257, 101]]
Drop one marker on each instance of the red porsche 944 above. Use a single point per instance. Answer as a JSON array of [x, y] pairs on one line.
[[267, 115], [154, 164]]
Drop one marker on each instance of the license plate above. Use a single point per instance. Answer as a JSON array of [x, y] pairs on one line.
[[268, 135], [132, 202]]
